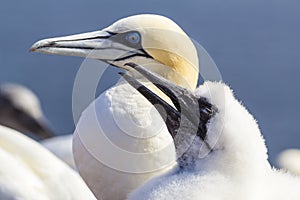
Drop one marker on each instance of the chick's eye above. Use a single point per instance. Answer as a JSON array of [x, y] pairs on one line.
[[133, 37]]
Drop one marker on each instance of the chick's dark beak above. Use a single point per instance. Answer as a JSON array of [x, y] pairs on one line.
[[190, 112]]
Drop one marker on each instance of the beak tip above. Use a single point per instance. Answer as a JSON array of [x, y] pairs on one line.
[[32, 49], [35, 46], [41, 44]]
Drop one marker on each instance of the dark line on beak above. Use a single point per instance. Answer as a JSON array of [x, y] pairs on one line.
[[133, 55], [90, 38], [69, 47], [111, 33]]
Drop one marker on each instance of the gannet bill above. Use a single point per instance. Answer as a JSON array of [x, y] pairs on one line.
[[290, 160], [121, 127], [20, 109], [221, 152], [28, 171]]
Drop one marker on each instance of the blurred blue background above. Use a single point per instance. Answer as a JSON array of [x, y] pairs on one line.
[[256, 45]]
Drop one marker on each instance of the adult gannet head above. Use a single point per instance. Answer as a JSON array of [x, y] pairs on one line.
[[20, 109], [151, 40]]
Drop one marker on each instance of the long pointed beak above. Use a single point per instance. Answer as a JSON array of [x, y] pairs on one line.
[[97, 45], [191, 111]]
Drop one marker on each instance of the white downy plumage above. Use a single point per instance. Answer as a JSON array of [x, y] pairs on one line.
[[237, 165], [109, 152], [28, 171], [290, 160]]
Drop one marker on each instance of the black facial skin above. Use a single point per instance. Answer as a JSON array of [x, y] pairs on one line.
[[122, 39]]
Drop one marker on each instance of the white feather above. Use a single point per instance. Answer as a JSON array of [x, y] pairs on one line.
[[30, 172], [290, 160]]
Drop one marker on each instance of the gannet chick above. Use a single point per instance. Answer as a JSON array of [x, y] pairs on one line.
[[20, 109], [290, 160], [121, 127], [221, 152], [28, 171]]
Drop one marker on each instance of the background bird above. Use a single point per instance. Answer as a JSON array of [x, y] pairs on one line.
[[289, 159], [20, 109]]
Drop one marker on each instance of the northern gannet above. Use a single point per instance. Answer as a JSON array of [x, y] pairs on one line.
[[20, 109], [221, 152], [28, 171], [289, 159], [120, 141]]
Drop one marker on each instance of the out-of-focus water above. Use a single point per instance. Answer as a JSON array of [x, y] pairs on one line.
[[256, 45]]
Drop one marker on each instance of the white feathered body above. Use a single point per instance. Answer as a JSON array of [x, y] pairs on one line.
[[120, 142], [30, 172], [61, 146]]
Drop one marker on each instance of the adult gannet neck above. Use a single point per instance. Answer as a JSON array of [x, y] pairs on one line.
[[28, 171], [221, 152], [121, 127], [20, 109]]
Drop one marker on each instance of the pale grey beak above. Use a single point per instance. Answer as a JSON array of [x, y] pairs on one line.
[[102, 45]]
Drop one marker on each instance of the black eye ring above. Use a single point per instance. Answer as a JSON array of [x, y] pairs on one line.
[[133, 37]]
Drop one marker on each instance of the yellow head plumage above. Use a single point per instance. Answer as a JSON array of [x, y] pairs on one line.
[[167, 43]]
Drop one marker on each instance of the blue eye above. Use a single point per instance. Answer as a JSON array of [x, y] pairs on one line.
[[133, 37]]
